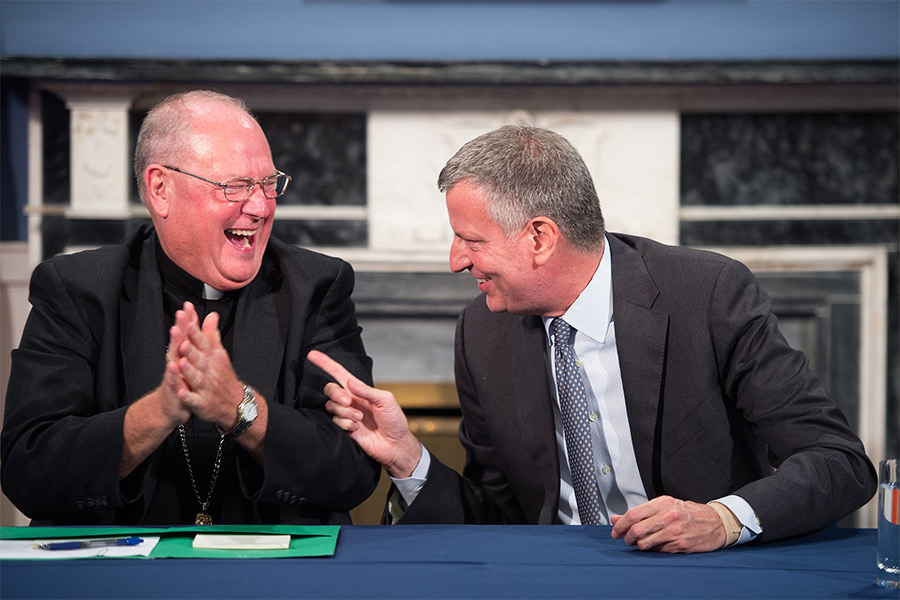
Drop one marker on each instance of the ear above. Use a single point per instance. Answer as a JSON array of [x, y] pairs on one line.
[[543, 238], [156, 188]]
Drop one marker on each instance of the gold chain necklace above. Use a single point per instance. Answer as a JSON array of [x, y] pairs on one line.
[[203, 517]]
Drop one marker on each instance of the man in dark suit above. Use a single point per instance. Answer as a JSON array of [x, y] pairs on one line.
[[163, 381], [609, 379]]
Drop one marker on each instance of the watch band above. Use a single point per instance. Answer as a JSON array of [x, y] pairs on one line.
[[243, 422]]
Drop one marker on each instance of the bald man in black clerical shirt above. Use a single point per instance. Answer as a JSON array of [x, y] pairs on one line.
[[163, 381]]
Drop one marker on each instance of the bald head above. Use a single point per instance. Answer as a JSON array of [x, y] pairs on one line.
[[172, 130]]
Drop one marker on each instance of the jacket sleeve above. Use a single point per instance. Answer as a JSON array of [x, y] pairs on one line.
[[310, 463], [821, 471], [57, 443], [484, 494]]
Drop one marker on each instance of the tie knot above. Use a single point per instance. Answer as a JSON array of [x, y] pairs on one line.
[[560, 330]]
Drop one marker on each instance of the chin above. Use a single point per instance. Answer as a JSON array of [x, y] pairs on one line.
[[231, 286], [504, 306], [228, 284], [237, 274], [495, 306]]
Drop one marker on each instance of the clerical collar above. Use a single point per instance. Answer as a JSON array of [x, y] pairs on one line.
[[211, 293], [183, 281]]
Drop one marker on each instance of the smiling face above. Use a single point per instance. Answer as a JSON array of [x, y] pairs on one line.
[[217, 241], [504, 266]]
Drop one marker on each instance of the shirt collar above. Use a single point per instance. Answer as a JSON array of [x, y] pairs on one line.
[[211, 293], [592, 311]]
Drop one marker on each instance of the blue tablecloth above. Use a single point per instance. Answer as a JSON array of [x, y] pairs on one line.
[[447, 561]]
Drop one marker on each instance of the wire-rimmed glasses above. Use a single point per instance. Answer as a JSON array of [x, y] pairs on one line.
[[240, 188]]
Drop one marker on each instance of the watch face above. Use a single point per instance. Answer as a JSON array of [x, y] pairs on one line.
[[250, 411]]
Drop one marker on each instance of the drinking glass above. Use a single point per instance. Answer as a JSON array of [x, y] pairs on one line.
[[888, 525]]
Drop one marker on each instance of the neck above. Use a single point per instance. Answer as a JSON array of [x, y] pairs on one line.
[[571, 272]]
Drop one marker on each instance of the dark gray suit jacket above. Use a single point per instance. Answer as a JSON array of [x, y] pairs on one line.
[[95, 342], [718, 403]]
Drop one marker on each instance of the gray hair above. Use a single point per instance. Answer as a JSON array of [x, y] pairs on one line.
[[526, 172], [165, 134]]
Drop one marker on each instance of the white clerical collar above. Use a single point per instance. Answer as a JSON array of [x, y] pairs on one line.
[[211, 293]]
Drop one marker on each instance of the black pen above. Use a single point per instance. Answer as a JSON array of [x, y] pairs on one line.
[[78, 544]]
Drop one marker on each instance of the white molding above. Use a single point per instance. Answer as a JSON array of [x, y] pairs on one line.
[[282, 211], [322, 212], [35, 176], [399, 261], [813, 212]]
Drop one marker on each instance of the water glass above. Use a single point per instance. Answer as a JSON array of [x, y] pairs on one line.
[[888, 525]]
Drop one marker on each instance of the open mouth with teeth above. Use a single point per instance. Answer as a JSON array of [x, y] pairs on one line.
[[482, 283], [242, 238]]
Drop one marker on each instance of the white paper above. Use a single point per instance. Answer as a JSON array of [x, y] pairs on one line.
[[230, 541], [24, 549]]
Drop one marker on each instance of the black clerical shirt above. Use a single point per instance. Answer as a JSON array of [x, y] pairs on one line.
[[174, 501]]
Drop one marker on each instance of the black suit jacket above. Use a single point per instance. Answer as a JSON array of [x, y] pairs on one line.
[[95, 342], [717, 401]]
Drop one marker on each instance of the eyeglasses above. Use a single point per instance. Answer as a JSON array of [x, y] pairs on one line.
[[240, 188]]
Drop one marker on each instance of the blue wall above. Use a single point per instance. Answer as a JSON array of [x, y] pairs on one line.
[[424, 30], [441, 30]]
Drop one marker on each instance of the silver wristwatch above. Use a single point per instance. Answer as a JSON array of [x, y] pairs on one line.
[[247, 411]]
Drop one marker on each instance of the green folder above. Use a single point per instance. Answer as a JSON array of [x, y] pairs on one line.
[[176, 542]]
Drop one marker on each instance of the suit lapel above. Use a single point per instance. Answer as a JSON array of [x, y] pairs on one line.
[[143, 338], [259, 334], [534, 410], [641, 338]]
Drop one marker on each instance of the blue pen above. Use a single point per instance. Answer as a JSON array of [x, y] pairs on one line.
[[78, 544]]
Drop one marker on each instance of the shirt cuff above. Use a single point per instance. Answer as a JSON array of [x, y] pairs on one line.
[[409, 486], [751, 528]]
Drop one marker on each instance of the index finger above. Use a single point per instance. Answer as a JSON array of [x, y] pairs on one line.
[[632, 516], [332, 367], [190, 312], [203, 339]]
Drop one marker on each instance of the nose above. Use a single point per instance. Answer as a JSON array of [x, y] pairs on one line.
[[459, 258], [257, 205]]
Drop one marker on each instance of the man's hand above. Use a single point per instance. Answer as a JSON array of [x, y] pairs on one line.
[[150, 420], [666, 524], [372, 417], [210, 389]]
